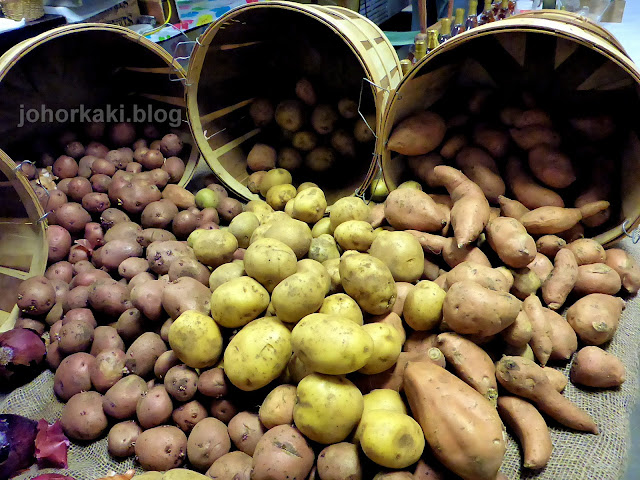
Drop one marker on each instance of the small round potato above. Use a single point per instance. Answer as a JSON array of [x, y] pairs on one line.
[[238, 301], [188, 415], [422, 308], [181, 383], [387, 345], [122, 439], [154, 408], [342, 305], [83, 418], [208, 441], [215, 247], [242, 227], [276, 176], [277, 407], [292, 232], [161, 448], [245, 430], [289, 159], [348, 208], [278, 195], [340, 461], [298, 295], [196, 340], [269, 261], [226, 272], [274, 457], [213, 383], [368, 281], [323, 248], [402, 253], [356, 235]]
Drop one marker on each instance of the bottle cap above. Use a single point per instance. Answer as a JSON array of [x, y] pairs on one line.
[[445, 26], [405, 65]]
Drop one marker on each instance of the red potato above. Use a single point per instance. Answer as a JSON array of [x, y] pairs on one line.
[[175, 167], [72, 217], [105, 338], [79, 187], [65, 167], [593, 367], [60, 271], [626, 267], [59, 241], [100, 182], [96, 149], [94, 235], [529, 118]]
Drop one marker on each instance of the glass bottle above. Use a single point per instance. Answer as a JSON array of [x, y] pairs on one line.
[[504, 10], [487, 14], [432, 40], [445, 30], [472, 15], [458, 24], [495, 7], [406, 66], [420, 50]]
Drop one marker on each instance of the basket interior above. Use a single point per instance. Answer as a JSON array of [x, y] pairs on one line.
[[561, 75], [92, 68], [263, 52]]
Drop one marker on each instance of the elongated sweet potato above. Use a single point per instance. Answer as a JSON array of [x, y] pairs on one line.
[[530, 428], [598, 189], [453, 255], [470, 308], [595, 318], [481, 169], [418, 134], [519, 333], [550, 220], [511, 208], [550, 245], [587, 250], [408, 208], [509, 239], [533, 135], [626, 267], [470, 212], [488, 277], [422, 166], [563, 338], [593, 367], [462, 427], [526, 379], [471, 363], [541, 343], [597, 278], [453, 145], [561, 280], [525, 188], [551, 167]]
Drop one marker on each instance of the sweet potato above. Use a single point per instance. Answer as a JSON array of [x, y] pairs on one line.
[[525, 283], [593, 367], [558, 379], [530, 428], [509, 239], [561, 280], [587, 251], [481, 169], [470, 363], [541, 343], [454, 255], [597, 278], [597, 127], [418, 134], [526, 190], [453, 414], [541, 266], [524, 378], [488, 277], [469, 308], [453, 145], [470, 212], [550, 220], [550, 245], [598, 189], [563, 338], [493, 140], [530, 136], [511, 208], [422, 166], [595, 318], [519, 333], [529, 118], [407, 208], [626, 267], [551, 167]]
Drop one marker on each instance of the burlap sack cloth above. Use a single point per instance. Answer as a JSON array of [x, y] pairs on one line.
[[576, 456]]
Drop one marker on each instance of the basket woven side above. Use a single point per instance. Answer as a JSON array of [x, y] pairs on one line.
[[19, 9]]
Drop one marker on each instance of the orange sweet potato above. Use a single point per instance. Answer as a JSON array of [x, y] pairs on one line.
[[481, 169], [526, 190], [541, 266], [488, 277], [519, 333], [551, 167], [531, 136], [509, 239], [511, 208], [422, 166], [541, 343], [626, 267], [462, 427], [418, 134], [597, 278], [595, 318], [593, 367], [408, 208], [563, 339], [453, 145], [560, 282], [557, 379], [587, 251], [550, 245]]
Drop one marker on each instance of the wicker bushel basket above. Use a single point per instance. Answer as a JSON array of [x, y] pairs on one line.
[[259, 50], [89, 66], [19, 9], [573, 69], [23, 244]]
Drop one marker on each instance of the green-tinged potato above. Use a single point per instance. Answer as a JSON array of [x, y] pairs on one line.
[[276, 176], [356, 235], [260, 209], [323, 248], [333, 269], [327, 408], [298, 295], [402, 253], [226, 272], [387, 345], [242, 227], [215, 247], [278, 195], [321, 227], [238, 301], [392, 439], [195, 339], [342, 305], [331, 344], [368, 281], [257, 354], [191, 239], [309, 205], [317, 271], [379, 399], [269, 261], [423, 306], [291, 232], [277, 407], [348, 208], [340, 461]]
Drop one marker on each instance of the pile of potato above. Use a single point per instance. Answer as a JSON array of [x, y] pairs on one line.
[[386, 341]]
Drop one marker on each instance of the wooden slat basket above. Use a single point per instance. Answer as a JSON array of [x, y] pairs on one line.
[[262, 50], [89, 65], [23, 244], [573, 68]]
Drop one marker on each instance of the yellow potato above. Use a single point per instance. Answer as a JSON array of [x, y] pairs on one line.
[[402, 253], [297, 369], [316, 270], [276, 176], [368, 281], [259, 232], [191, 239], [195, 339], [327, 408], [343, 305], [215, 247], [278, 195], [387, 345], [331, 344], [323, 248], [321, 227], [392, 439], [242, 227], [269, 261], [355, 235], [305, 185], [348, 208], [226, 272], [423, 306], [259, 208], [333, 268], [277, 407], [257, 354], [309, 205], [298, 295], [379, 399], [291, 232], [238, 301], [288, 208]]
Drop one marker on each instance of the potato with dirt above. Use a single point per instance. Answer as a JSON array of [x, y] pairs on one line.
[[269, 261], [122, 438], [208, 441], [401, 253], [120, 401], [195, 339], [238, 302], [509, 239], [83, 418], [245, 430], [408, 208], [273, 458], [181, 383], [595, 317], [233, 465], [109, 297], [73, 375], [593, 367], [143, 353], [158, 214], [161, 448], [107, 370], [369, 282], [75, 336], [147, 298], [215, 247], [161, 254], [36, 296], [115, 252]]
